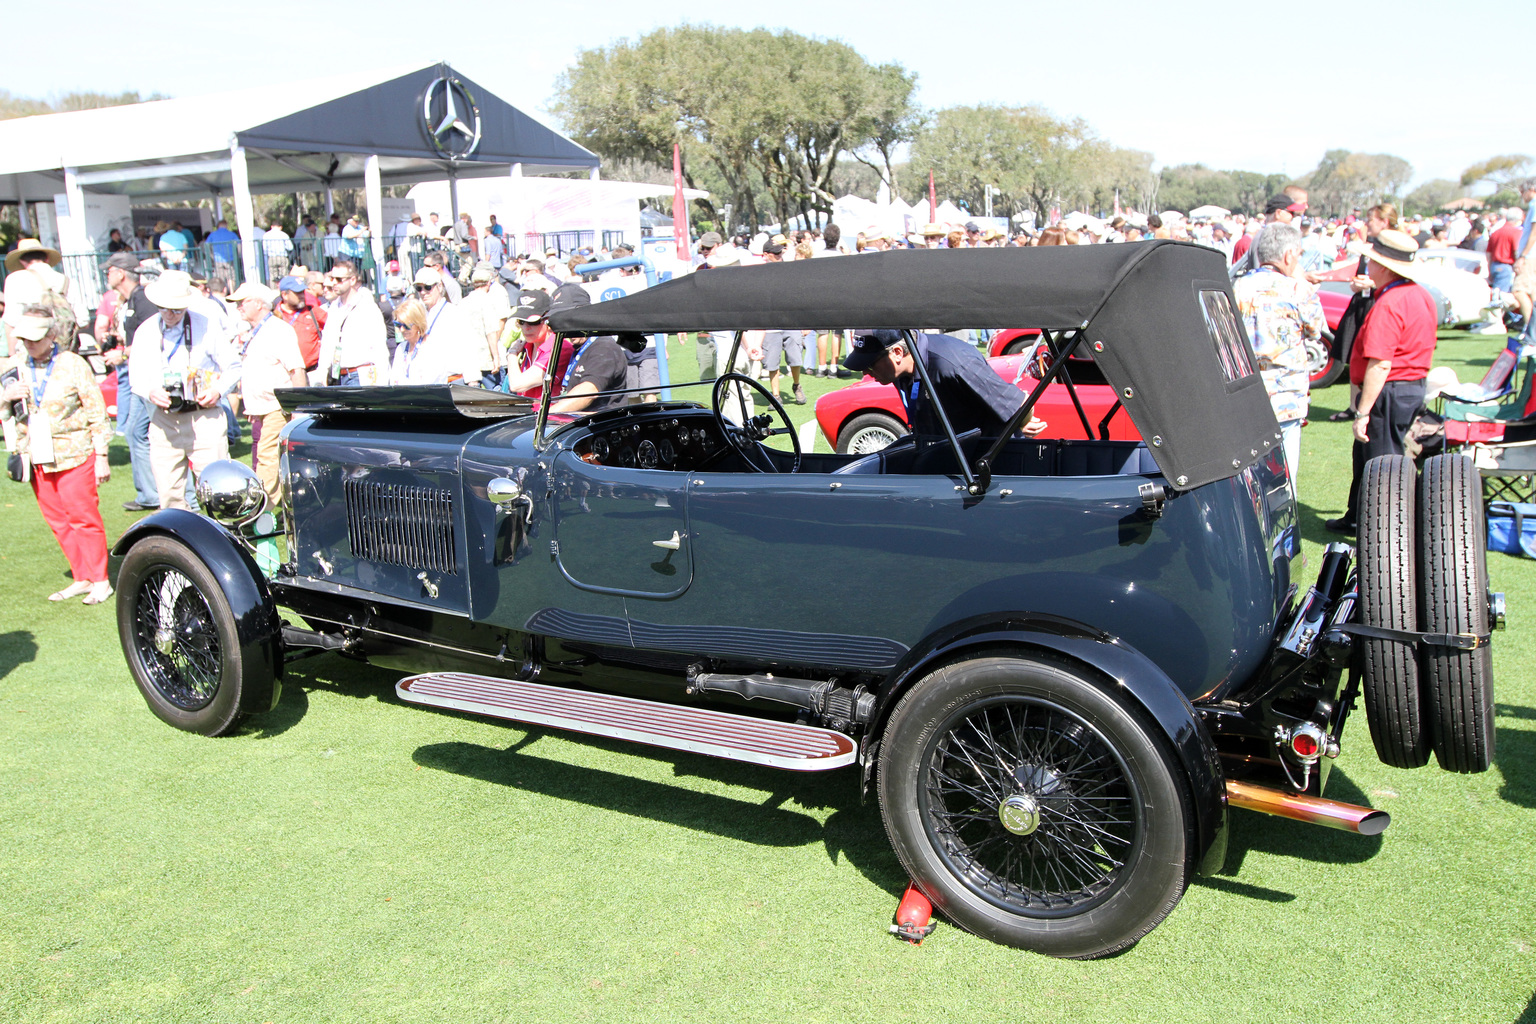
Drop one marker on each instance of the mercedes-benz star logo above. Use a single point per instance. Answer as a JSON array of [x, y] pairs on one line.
[[451, 118]]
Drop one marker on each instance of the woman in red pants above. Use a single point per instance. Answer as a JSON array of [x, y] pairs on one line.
[[61, 426]]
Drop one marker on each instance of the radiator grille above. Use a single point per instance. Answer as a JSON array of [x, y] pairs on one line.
[[401, 525]]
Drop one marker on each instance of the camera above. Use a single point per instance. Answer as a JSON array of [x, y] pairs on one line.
[[179, 401]]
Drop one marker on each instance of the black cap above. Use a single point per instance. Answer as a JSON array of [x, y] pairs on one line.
[[773, 248], [532, 306], [866, 347], [569, 296], [1276, 203], [973, 227]]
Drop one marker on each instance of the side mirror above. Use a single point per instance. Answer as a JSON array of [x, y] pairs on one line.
[[503, 490]]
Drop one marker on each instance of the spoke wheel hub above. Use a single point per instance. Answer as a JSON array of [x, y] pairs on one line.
[[1020, 814]]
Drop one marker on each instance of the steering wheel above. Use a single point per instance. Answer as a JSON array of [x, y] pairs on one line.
[[745, 438]]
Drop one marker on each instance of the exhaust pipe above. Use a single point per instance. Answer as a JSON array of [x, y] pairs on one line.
[[1366, 821]]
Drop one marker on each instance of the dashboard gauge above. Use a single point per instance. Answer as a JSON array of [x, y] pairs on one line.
[[600, 447], [626, 456], [668, 453], [647, 455], [682, 435]]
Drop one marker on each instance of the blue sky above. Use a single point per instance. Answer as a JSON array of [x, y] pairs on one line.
[[1266, 87]]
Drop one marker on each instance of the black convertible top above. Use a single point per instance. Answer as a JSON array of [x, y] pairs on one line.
[[1158, 317], [1055, 287]]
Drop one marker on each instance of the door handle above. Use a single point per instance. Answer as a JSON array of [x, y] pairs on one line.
[[670, 545]]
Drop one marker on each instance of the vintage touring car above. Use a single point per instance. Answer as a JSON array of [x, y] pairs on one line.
[[1057, 662]]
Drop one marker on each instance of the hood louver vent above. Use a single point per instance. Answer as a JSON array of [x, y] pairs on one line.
[[401, 525]]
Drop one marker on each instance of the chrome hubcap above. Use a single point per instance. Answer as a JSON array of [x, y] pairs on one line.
[[1020, 814]]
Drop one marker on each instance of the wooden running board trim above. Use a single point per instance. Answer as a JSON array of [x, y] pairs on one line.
[[800, 748]]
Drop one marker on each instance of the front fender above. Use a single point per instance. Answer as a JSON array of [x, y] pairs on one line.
[[256, 623], [1127, 670]]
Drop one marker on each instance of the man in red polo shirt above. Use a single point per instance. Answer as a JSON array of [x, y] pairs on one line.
[[1390, 359], [1501, 250], [307, 320]]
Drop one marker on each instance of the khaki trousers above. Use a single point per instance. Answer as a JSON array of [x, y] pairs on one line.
[[179, 438], [268, 431]]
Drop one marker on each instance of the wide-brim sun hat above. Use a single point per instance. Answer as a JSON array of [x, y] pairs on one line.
[[1393, 249], [29, 245], [172, 290]]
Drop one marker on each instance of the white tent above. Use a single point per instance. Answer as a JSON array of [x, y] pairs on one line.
[[1078, 221], [1208, 212], [949, 213], [364, 129], [528, 208]]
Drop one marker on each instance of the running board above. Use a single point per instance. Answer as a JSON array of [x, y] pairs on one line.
[[799, 748]]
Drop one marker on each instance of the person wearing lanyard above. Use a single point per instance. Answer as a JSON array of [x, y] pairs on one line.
[[182, 364], [418, 360], [51, 403], [449, 337], [974, 396], [352, 341], [269, 359], [598, 365], [1390, 358]]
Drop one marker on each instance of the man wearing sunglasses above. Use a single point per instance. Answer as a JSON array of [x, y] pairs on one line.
[[448, 330], [352, 342]]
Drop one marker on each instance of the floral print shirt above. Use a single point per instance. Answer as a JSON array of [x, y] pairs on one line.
[[1282, 314], [74, 406]]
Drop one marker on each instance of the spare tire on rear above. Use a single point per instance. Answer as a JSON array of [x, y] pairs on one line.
[[1453, 598], [1389, 597]]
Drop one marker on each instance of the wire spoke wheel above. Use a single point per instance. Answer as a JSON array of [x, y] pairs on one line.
[[1031, 806], [1035, 806], [178, 640]]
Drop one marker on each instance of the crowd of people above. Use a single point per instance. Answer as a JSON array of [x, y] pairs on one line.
[[197, 360]]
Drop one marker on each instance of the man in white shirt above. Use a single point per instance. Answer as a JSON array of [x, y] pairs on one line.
[[352, 343], [182, 364], [485, 310], [270, 360], [277, 247], [448, 331]]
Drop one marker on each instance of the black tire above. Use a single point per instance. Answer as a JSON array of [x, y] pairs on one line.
[[1108, 853], [1453, 598], [179, 637], [1389, 670], [1323, 367], [869, 432], [1018, 346]]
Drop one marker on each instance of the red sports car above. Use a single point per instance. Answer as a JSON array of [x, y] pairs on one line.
[[867, 416]]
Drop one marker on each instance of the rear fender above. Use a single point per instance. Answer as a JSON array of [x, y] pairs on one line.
[[256, 622], [1122, 668]]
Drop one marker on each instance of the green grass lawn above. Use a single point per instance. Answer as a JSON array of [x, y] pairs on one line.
[[350, 858]]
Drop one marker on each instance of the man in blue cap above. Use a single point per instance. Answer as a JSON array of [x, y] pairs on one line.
[[972, 394]]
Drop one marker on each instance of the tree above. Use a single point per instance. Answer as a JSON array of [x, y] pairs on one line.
[[1502, 172], [1431, 197], [892, 121], [22, 106], [770, 113], [1033, 159], [1188, 186], [1344, 181]]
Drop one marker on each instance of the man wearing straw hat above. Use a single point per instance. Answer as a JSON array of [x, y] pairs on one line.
[[30, 278], [182, 364], [1390, 358]]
